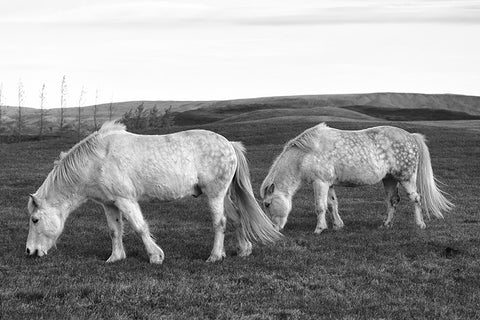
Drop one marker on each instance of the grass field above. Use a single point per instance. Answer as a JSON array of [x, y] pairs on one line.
[[361, 272]]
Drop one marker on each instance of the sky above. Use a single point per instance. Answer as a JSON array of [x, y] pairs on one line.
[[123, 50]]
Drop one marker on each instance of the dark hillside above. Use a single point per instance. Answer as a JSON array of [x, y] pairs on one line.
[[412, 114], [246, 113], [253, 112]]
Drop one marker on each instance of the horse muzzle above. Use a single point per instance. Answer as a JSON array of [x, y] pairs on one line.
[[34, 252], [277, 227]]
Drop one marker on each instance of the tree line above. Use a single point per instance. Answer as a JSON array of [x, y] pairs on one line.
[[18, 128], [135, 119], [142, 118]]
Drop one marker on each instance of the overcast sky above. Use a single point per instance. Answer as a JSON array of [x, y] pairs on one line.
[[218, 49]]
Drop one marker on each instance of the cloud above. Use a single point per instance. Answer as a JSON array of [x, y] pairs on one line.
[[344, 12], [106, 12], [180, 13]]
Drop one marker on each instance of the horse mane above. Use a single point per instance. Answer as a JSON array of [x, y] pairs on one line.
[[69, 169], [303, 142]]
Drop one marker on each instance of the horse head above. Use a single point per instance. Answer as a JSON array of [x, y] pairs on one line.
[[46, 225], [277, 205]]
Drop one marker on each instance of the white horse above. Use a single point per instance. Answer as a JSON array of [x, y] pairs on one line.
[[328, 157], [117, 169]]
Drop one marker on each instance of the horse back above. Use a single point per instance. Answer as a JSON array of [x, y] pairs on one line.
[[165, 166], [361, 157]]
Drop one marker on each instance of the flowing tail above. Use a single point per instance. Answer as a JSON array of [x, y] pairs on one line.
[[431, 196], [255, 224]]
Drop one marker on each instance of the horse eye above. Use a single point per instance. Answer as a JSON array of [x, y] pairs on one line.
[[34, 220], [267, 204]]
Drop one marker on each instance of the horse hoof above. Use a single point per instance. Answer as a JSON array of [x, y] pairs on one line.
[[245, 253], [318, 231], [422, 225], [386, 226], [338, 228], [215, 258], [156, 259], [115, 258]]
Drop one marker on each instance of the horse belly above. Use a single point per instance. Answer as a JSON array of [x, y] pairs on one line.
[[169, 184], [360, 174], [355, 176], [358, 161]]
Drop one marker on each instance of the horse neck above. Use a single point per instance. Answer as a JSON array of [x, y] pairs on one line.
[[288, 178], [60, 204], [64, 198]]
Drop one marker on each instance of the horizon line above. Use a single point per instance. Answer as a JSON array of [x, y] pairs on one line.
[[253, 98]]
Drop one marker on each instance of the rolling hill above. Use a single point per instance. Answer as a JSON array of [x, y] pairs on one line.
[[339, 107]]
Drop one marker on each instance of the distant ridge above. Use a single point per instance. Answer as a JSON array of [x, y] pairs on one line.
[[453, 102], [464, 104]]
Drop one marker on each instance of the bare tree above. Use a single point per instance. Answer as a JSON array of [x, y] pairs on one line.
[[63, 100], [95, 109], [21, 97], [80, 104], [110, 109], [42, 110]]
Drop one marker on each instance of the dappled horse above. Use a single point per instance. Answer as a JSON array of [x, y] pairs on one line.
[[328, 157], [117, 169]]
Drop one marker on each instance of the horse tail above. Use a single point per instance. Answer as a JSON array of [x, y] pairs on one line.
[[255, 224], [432, 197]]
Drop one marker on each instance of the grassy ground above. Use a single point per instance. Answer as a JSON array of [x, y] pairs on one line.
[[361, 272]]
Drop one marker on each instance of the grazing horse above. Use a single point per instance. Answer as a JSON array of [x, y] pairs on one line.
[[328, 157], [117, 169]]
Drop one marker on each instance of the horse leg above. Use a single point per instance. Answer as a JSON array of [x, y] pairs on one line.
[[131, 211], [244, 246], [115, 224], [411, 188], [392, 199], [320, 190], [219, 224], [332, 202]]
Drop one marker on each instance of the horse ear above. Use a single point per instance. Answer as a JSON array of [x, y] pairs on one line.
[[271, 188], [34, 201]]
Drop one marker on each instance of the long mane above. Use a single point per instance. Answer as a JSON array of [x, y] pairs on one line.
[[69, 169], [303, 142]]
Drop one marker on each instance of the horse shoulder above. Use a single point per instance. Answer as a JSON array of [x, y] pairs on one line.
[[113, 170], [317, 166]]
